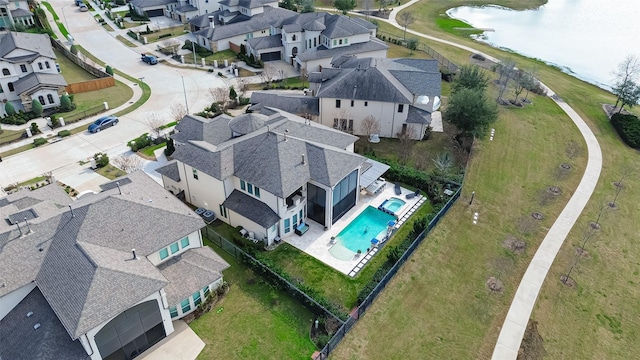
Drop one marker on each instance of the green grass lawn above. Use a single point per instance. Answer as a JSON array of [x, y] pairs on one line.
[[71, 72], [221, 56], [173, 31], [257, 320], [148, 151], [125, 41], [115, 96], [110, 172], [7, 136]]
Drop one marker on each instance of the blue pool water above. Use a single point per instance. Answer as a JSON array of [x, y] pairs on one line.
[[358, 234], [392, 205]]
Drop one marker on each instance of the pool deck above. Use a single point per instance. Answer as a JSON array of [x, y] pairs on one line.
[[317, 242]]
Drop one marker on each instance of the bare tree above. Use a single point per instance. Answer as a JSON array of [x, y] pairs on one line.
[[405, 19], [129, 163], [528, 82], [268, 73], [628, 70], [518, 86], [573, 149], [304, 76], [620, 184], [178, 111], [219, 95], [506, 70], [367, 5], [370, 125], [242, 87], [405, 145], [171, 46], [154, 123]]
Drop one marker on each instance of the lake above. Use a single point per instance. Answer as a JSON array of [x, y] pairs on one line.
[[587, 38]]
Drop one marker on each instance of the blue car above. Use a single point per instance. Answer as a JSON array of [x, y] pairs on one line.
[[102, 123]]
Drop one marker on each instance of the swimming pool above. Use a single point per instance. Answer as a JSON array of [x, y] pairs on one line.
[[358, 234], [392, 206]]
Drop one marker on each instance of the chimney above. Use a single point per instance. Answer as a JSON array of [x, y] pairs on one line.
[[118, 185], [303, 160], [211, 23], [133, 251]]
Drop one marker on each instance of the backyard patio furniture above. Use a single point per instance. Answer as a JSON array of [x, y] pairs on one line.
[[301, 229], [397, 188], [412, 195], [243, 232]]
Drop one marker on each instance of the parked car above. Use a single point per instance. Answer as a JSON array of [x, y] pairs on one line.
[[83, 7], [103, 123], [149, 59]]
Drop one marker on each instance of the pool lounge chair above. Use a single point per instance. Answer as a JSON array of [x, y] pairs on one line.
[[301, 229], [412, 195], [397, 188]]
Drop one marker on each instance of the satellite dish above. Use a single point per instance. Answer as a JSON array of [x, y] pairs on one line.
[[423, 99], [374, 138]]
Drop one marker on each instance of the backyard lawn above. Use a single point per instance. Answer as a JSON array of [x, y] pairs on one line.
[[439, 306], [257, 321], [71, 72]]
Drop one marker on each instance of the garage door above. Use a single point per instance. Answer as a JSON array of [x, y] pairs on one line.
[[270, 56], [156, 12]]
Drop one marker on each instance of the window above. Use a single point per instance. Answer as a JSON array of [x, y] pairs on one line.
[[343, 124], [295, 220], [50, 98], [351, 103], [185, 305], [242, 185], [287, 226], [314, 42], [301, 217], [337, 103], [47, 65], [195, 173], [41, 99], [250, 188], [23, 68], [196, 298], [184, 242], [400, 108], [164, 253], [5, 71], [223, 211], [335, 42], [206, 291], [174, 311], [350, 128], [256, 192], [40, 66], [366, 103], [293, 37], [335, 123], [273, 228], [10, 86], [346, 41], [174, 248]]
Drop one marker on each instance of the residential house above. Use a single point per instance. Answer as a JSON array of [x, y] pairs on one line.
[[187, 10], [401, 95], [15, 12], [307, 107], [269, 173], [101, 277], [29, 72]]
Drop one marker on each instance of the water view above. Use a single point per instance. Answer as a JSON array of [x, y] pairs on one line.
[[587, 38]]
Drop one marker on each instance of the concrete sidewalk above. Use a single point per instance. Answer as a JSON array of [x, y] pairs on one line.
[[515, 323]]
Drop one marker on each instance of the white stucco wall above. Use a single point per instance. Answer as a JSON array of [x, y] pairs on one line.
[[206, 191], [12, 299], [223, 44], [385, 112]]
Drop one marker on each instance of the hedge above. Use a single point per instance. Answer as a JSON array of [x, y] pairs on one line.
[[64, 133], [39, 141], [628, 127]]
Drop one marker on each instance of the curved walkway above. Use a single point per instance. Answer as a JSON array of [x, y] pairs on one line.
[[515, 323]]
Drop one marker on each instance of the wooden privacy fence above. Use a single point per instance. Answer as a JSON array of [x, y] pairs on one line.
[[90, 85]]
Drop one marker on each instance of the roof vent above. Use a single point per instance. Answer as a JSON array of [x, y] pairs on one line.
[[36, 326], [135, 257], [303, 160], [29, 313]]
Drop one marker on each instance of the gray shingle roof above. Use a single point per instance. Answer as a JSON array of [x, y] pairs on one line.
[[34, 43], [170, 170], [36, 80], [271, 16], [295, 104], [150, 3], [20, 341], [244, 3], [20, 13], [247, 123], [202, 21], [363, 22], [254, 210], [186, 8], [265, 42], [216, 163], [371, 45], [214, 131], [190, 271], [418, 116]]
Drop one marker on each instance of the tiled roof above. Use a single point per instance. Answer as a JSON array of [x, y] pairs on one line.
[[295, 104], [170, 170], [37, 80], [32, 43], [324, 53]]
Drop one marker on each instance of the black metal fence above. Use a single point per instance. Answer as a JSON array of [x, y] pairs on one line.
[[444, 62], [362, 308]]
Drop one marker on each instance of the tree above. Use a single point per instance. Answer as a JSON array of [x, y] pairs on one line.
[[154, 122], [384, 4], [178, 111], [171, 46], [412, 44], [36, 107], [9, 109], [129, 163], [65, 103], [470, 77], [443, 163], [627, 94], [405, 19], [628, 70], [34, 128], [233, 95], [528, 82], [170, 147], [505, 69], [344, 5], [307, 6], [518, 87], [219, 96], [288, 4], [367, 5], [268, 73], [369, 126], [74, 50], [109, 70], [471, 112], [405, 138], [101, 159]]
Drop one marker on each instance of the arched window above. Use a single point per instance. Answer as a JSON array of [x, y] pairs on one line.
[[10, 86], [5, 71], [293, 37], [41, 99], [50, 98]]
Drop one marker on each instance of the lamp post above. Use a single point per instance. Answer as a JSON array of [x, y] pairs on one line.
[[184, 91]]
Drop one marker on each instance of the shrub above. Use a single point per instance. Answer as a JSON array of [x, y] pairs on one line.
[[36, 107], [39, 141], [101, 159], [170, 148], [164, 36], [141, 142], [74, 50], [628, 127], [65, 103], [109, 70], [9, 109], [34, 128], [64, 133]]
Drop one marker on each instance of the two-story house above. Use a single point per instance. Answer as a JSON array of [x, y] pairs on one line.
[[397, 93], [13, 12], [28, 71], [266, 172], [101, 277]]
